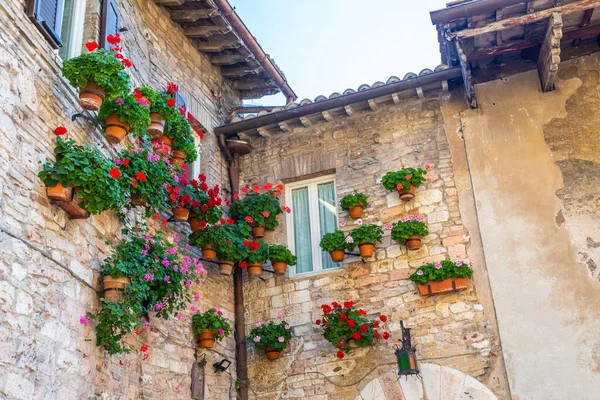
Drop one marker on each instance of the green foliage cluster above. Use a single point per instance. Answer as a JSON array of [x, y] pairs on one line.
[[275, 335], [157, 100], [354, 199], [407, 227], [213, 320], [211, 234], [179, 130], [87, 169], [129, 111], [256, 251], [262, 208], [442, 270], [229, 241], [367, 234], [280, 253], [336, 240], [405, 177], [100, 68]]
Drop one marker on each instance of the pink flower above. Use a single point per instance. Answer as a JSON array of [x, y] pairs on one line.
[[279, 314], [438, 265], [178, 317], [197, 296], [221, 331], [343, 224], [84, 319], [158, 306], [256, 339], [165, 262], [167, 278], [120, 101], [281, 339], [149, 277], [258, 324], [266, 214], [193, 308], [471, 263], [419, 272], [458, 263], [358, 222], [349, 239], [388, 227], [287, 327]]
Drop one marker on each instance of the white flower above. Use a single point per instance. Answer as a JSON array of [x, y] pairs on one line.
[[349, 239], [281, 339], [358, 222]]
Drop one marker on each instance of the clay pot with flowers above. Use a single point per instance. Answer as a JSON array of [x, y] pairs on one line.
[[442, 277], [366, 236], [180, 199], [272, 338], [347, 327], [126, 114], [210, 326], [281, 257], [259, 207], [205, 205], [159, 109], [409, 231], [354, 203], [336, 243], [405, 181], [178, 137], [82, 180], [99, 74], [208, 237], [256, 254], [229, 244]]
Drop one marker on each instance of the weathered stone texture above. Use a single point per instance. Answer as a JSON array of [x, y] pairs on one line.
[[450, 329], [44, 351]]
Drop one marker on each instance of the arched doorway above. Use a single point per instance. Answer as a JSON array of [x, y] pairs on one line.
[[437, 383]]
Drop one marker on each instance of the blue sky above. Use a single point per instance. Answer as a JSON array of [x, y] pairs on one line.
[[326, 46]]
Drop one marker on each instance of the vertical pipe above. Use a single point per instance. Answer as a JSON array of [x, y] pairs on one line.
[[240, 335]]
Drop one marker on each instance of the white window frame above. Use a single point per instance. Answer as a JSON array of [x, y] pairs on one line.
[[313, 209], [77, 33]]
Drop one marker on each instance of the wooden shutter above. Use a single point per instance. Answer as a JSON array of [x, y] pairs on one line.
[[47, 16], [180, 100], [111, 21]]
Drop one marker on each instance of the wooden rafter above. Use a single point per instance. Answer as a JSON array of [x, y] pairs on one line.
[[585, 21], [549, 57], [466, 74], [193, 15]]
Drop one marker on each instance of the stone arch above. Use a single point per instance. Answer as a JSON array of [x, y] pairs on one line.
[[437, 383]]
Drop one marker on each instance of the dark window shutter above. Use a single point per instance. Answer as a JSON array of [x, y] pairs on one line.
[[180, 100], [47, 16], [111, 21]]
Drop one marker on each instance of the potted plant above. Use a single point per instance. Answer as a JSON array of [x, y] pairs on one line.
[[95, 179], [366, 236], [442, 277], [123, 115], [344, 325], [335, 243], [354, 204], [179, 200], [281, 257], [258, 209], [257, 252], [210, 326], [207, 238], [178, 136], [205, 207], [409, 231], [271, 337], [98, 75], [159, 110], [229, 244], [405, 181], [113, 323], [147, 173]]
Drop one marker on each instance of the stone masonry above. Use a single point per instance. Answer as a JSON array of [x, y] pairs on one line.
[[451, 330]]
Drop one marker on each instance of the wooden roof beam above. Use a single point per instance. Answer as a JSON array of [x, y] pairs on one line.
[[466, 73], [585, 21], [229, 59], [549, 57], [524, 19], [178, 15], [205, 31], [169, 3], [236, 72], [218, 45], [247, 84]]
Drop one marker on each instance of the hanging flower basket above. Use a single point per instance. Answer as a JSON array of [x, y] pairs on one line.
[[163, 144], [366, 236], [272, 354], [258, 232], [178, 155], [406, 195], [335, 243], [208, 252], [91, 97], [413, 242], [281, 257], [210, 326], [337, 255], [195, 224], [271, 337], [73, 207], [157, 125], [206, 340], [409, 231], [138, 201], [354, 204], [366, 250], [225, 267], [405, 181], [181, 214], [114, 287], [255, 270], [445, 286]]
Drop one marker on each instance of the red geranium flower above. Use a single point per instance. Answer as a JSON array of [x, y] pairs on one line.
[[113, 39], [156, 216], [126, 63], [202, 177], [279, 187], [171, 102], [137, 94], [356, 336], [203, 224], [119, 56], [383, 318], [228, 242], [256, 189], [145, 357], [91, 46], [230, 221], [121, 363], [364, 328], [343, 316], [340, 354], [249, 219], [140, 175], [326, 308], [427, 166], [254, 245], [377, 335], [134, 182], [266, 214], [351, 323], [375, 324], [203, 186], [205, 208], [144, 348], [341, 344], [125, 163], [348, 304], [172, 88], [335, 304], [318, 322], [407, 177], [326, 323], [243, 264], [222, 221], [267, 186], [115, 173], [236, 196], [362, 312], [61, 130], [245, 190], [386, 335], [246, 243]]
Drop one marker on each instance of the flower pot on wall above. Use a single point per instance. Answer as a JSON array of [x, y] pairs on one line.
[[114, 287], [356, 212], [181, 214], [255, 270], [272, 354], [73, 208], [206, 340], [115, 130], [163, 144], [59, 192], [366, 250], [157, 125], [225, 267], [208, 252], [91, 97], [178, 154], [279, 267], [138, 201], [445, 286], [337, 255], [406, 195], [413, 243], [258, 232], [194, 224]]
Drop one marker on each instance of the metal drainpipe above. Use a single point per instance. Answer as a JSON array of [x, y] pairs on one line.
[[241, 365]]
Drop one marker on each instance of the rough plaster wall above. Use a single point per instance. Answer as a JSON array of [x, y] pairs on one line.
[[44, 352], [547, 306], [453, 329]]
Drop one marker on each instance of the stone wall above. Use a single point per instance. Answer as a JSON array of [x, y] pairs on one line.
[[453, 330], [44, 351]]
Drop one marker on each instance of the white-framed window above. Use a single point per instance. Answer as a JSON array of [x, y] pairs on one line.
[[314, 213], [71, 33]]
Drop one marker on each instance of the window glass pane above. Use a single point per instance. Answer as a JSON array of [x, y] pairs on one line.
[[327, 216], [302, 239], [66, 33]]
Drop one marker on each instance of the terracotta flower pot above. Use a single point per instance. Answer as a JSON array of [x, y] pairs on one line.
[[279, 267], [225, 267], [163, 144], [59, 192], [356, 212], [208, 252], [146, 102], [255, 270], [445, 286], [206, 340], [178, 154], [73, 208], [366, 250], [138, 201], [114, 287], [413, 243], [194, 224], [258, 232], [181, 214], [157, 125], [115, 129], [91, 97], [272, 354], [406, 195], [337, 255]]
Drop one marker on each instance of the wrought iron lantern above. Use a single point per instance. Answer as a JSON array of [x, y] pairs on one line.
[[222, 365], [406, 355]]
